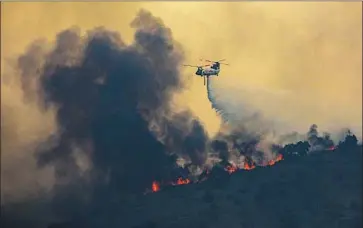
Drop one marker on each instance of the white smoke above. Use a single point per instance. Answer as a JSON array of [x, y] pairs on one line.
[[213, 100]]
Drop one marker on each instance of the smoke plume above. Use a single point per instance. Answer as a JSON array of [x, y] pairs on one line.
[[113, 108]]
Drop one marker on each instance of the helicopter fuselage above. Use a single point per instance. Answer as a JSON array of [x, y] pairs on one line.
[[213, 70], [207, 72]]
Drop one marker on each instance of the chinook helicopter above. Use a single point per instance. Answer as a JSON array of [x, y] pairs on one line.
[[208, 70]]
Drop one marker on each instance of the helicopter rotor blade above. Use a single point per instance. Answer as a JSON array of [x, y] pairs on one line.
[[207, 60], [224, 63], [195, 66], [190, 65]]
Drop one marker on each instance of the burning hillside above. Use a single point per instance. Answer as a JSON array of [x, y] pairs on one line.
[[289, 150], [247, 149], [313, 191], [229, 168], [117, 135]]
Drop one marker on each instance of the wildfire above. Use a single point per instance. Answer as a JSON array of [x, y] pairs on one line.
[[277, 159], [247, 166], [181, 181], [155, 187], [230, 169]]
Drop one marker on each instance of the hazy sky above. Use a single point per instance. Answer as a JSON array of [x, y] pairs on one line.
[[296, 61]]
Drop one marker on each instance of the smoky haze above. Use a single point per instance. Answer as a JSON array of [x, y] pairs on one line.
[[294, 62], [294, 56], [93, 107]]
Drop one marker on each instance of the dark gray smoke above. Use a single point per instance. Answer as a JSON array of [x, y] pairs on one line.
[[237, 141], [108, 96], [246, 143], [184, 136], [316, 141], [221, 147]]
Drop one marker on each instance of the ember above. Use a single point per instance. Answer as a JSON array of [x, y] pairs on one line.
[[230, 169], [248, 166], [277, 159], [181, 181], [155, 186]]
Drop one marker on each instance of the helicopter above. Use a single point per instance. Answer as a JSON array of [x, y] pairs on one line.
[[212, 70]]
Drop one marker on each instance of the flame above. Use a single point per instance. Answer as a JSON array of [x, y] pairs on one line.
[[181, 181], [277, 159], [230, 169], [155, 187], [247, 166]]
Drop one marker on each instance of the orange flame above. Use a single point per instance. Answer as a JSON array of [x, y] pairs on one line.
[[155, 186], [181, 181], [277, 159], [230, 169], [247, 166]]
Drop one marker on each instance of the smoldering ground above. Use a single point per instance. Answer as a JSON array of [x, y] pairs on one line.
[[106, 96]]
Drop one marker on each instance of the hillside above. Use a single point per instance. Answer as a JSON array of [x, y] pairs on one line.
[[316, 191]]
